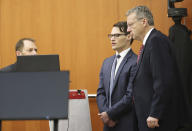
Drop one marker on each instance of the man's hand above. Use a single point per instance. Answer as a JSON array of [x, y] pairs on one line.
[[111, 123], [152, 122], [104, 116]]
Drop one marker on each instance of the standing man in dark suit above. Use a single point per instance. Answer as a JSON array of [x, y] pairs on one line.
[[155, 91], [25, 46], [114, 99]]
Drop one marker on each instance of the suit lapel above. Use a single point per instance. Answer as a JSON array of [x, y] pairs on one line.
[[142, 53], [108, 72], [124, 61]]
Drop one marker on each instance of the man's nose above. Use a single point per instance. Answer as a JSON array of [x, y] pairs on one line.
[[34, 52], [129, 29]]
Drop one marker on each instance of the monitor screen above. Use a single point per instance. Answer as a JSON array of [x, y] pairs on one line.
[[37, 63], [34, 95]]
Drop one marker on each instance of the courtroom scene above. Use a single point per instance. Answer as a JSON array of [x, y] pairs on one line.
[[103, 65]]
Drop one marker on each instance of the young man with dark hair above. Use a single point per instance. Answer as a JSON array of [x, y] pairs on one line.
[[114, 98]]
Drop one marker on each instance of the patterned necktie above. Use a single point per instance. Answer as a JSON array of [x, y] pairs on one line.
[[140, 51], [113, 77]]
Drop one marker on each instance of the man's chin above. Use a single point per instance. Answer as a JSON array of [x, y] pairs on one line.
[[114, 48]]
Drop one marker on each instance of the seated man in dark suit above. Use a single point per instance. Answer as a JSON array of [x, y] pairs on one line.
[[25, 46]]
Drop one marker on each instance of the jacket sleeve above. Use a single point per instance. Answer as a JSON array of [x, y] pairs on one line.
[[161, 65], [101, 94]]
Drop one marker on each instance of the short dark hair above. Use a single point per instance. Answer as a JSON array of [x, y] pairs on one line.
[[20, 43], [122, 25]]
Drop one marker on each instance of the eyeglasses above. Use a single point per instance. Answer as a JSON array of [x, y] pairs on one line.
[[132, 24], [115, 35]]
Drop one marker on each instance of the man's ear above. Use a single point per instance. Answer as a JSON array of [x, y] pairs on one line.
[[129, 37], [18, 53], [145, 22]]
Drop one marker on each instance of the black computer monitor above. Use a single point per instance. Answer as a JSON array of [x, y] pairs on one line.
[[37, 63], [34, 95]]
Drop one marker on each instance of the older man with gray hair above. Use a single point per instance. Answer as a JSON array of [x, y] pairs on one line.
[[155, 88]]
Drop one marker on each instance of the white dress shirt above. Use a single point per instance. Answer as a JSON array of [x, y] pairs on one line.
[[146, 36], [119, 60]]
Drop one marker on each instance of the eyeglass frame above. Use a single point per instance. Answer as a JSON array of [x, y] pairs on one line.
[[116, 35], [131, 25]]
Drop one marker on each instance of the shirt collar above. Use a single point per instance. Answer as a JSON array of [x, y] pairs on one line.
[[123, 53], [146, 36]]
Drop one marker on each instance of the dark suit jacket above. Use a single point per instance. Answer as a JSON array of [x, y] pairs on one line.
[[9, 68], [121, 109], [155, 84]]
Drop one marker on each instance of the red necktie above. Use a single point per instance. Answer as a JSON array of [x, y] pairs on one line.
[[140, 50]]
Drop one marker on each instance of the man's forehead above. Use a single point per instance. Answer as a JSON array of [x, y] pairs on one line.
[[28, 43], [115, 30], [132, 15]]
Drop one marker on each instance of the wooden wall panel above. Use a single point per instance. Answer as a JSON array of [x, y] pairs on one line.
[[76, 30], [27, 125], [96, 122]]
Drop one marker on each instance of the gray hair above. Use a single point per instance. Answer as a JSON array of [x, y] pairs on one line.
[[142, 12]]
